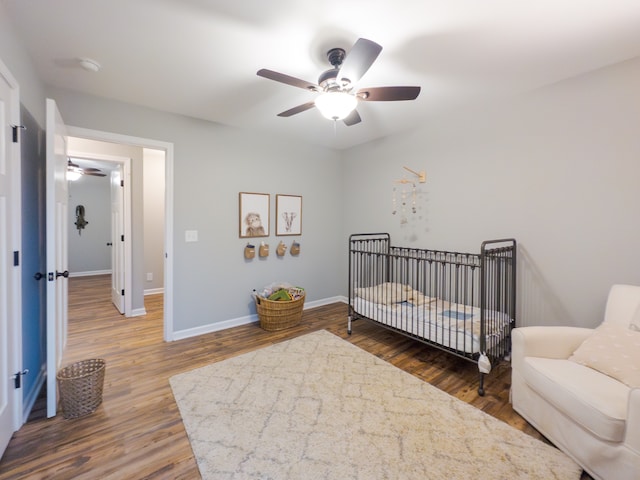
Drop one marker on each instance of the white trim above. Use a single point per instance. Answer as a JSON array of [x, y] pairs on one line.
[[236, 322], [33, 396], [153, 291], [138, 312], [89, 274], [168, 208]]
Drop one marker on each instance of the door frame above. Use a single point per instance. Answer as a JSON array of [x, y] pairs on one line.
[[57, 213], [14, 241], [103, 136], [128, 261]]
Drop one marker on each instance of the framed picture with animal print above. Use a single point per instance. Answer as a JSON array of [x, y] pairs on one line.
[[254, 214], [288, 214]]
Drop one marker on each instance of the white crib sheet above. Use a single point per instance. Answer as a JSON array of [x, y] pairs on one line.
[[449, 324]]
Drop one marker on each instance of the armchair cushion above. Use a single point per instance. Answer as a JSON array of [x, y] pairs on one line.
[[595, 401], [614, 350]]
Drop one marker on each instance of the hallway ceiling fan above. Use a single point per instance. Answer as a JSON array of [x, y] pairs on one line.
[[338, 97], [75, 171]]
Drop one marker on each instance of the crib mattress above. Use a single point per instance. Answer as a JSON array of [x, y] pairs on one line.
[[448, 324]]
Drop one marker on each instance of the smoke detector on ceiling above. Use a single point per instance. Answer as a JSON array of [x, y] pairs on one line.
[[89, 65]]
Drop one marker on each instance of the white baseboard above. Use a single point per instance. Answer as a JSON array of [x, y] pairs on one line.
[[89, 274], [30, 401], [236, 322], [153, 291]]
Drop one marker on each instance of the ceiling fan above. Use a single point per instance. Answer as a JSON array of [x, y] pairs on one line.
[[338, 98], [74, 171]]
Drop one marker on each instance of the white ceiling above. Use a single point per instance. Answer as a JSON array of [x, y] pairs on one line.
[[199, 57]]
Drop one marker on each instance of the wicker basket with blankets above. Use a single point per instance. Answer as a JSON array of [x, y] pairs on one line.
[[279, 306]]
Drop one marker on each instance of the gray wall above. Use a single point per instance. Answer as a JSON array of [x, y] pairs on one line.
[[558, 169], [154, 212], [15, 57], [212, 164], [88, 250]]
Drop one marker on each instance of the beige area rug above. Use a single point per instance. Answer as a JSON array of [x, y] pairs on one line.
[[318, 407]]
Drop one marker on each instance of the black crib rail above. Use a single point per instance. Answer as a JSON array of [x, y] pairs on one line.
[[457, 281]]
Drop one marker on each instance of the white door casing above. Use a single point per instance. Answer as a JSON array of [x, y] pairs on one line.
[[57, 255], [122, 268], [117, 239], [167, 147], [10, 277]]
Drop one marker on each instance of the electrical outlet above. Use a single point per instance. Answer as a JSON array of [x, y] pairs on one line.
[[149, 277]]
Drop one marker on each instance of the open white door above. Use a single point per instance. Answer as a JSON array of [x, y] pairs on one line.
[[10, 324], [57, 261], [117, 238]]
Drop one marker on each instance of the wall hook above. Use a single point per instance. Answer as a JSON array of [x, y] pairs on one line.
[[422, 176]]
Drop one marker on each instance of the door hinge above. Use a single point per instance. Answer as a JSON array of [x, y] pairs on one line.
[[17, 378], [16, 259], [122, 183], [122, 293], [15, 131], [122, 238]]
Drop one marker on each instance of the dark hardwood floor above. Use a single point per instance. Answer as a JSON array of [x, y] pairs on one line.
[[137, 432]]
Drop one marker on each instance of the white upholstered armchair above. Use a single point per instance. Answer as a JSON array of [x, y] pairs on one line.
[[580, 387]]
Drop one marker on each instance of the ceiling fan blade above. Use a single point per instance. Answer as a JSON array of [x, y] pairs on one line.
[[95, 174], [298, 109], [388, 94], [282, 78], [352, 118], [83, 170], [362, 55]]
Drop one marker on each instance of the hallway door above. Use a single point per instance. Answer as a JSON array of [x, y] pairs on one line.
[[117, 239], [57, 258]]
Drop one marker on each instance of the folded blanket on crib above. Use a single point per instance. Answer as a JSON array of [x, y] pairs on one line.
[[390, 293]]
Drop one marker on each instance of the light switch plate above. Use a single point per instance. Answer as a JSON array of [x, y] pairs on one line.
[[191, 236]]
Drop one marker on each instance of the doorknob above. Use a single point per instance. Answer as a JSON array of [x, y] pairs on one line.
[[64, 274], [38, 276]]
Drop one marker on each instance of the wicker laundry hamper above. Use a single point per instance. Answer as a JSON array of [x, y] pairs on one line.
[[277, 315], [80, 385]]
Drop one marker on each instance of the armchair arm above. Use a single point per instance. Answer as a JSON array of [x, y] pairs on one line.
[[632, 438], [546, 342]]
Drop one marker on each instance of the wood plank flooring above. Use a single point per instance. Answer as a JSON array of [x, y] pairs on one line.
[[138, 433]]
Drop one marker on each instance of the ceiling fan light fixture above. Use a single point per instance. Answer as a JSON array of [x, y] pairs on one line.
[[336, 105], [73, 175]]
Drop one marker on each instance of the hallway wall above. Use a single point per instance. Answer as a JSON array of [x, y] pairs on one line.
[[88, 250], [83, 147], [154, 213]]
